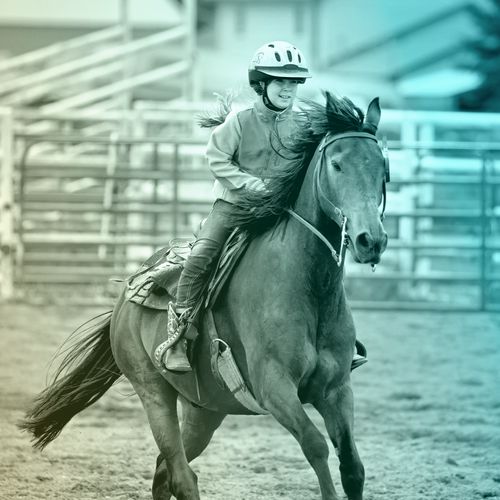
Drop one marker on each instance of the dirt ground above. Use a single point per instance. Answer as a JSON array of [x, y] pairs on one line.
[[427, 420]]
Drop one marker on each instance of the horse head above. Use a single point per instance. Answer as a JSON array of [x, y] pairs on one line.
[[350, 181]]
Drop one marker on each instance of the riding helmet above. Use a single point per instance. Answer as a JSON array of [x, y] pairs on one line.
[[277, 60]]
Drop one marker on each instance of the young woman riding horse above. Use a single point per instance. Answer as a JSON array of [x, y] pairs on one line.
[[241, 158]]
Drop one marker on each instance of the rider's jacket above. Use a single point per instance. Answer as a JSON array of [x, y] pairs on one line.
[[241, 151]]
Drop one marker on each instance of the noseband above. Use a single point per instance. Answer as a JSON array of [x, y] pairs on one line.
[[336, 213]]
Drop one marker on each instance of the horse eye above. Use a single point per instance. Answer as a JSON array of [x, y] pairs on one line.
[[336, 166]]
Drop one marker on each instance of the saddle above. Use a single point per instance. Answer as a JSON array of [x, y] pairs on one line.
[[154, 286]]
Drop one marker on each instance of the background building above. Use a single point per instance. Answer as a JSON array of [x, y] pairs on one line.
[[410, 53]]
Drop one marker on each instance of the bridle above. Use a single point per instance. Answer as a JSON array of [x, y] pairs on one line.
[[335, 212]]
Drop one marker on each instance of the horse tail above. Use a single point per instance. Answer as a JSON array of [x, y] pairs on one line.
[[87, 371]]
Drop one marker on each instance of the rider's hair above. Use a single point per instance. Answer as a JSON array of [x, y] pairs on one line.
[[260, 86]]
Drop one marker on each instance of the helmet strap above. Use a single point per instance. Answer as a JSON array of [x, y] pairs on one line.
[[267, 101]]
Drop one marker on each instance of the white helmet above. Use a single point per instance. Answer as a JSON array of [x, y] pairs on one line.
[[279, 60]]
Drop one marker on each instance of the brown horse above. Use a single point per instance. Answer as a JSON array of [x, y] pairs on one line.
[[284, 313]]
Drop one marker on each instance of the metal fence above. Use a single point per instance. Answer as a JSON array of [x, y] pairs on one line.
[[77, 221], [444, 237], [83, 220]]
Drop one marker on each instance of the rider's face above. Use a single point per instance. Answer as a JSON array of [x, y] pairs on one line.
[[282, 91]]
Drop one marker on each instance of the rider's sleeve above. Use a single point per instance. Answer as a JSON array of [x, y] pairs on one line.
[[221, 150]]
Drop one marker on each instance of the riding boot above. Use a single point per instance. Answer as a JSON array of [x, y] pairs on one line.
[[176, 357], [359, 357]]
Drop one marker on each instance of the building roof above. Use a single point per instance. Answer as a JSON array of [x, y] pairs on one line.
[[444, 82], [142, 13]]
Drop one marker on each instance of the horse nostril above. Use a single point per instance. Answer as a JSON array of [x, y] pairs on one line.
[[364, 240]]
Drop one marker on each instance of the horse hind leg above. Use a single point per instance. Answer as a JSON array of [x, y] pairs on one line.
[[173, 476], [157, 396], [160, 489], [282, 401], [197, 428], [338, 414]]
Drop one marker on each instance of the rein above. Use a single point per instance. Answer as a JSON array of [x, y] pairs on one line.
[[336, 213], [338, 257]]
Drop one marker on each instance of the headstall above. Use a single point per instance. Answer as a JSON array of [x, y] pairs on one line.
[[336, 213]]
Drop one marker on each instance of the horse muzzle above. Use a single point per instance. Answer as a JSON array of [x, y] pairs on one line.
[[368, 247]]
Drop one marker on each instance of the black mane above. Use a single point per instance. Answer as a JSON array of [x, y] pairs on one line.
[[260, 211]]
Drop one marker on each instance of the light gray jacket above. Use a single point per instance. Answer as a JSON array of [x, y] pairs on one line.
[[239, 151]]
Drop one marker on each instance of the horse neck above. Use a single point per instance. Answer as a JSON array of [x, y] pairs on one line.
[[316, 259]]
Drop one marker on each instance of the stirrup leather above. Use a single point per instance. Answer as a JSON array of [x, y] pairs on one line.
[[176, 327]]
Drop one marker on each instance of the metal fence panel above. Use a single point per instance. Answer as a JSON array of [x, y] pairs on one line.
[[83, 219]]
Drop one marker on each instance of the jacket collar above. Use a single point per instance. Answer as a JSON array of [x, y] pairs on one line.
[[267, 114]]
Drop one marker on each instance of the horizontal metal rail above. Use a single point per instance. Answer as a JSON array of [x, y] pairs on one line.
[[418, 305], [161, 114], [100, 57], [154, 75], [74, 202], [122, 208], [478, 148], [121, 174], [40, 55], [37, 91]]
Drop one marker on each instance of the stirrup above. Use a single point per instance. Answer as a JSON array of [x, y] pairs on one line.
[[176, 327], [176, 359]]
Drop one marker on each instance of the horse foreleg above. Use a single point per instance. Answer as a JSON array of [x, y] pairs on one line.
[[338, 414], [282, 401]]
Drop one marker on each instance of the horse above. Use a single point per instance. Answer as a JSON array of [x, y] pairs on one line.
[[284, 312]]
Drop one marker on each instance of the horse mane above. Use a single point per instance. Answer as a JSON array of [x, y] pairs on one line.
[[218, 115], [261, 211]]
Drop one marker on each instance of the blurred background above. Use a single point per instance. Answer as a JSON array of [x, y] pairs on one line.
[[102, 160]]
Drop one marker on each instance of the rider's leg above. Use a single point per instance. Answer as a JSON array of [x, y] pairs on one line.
[[192, 282]]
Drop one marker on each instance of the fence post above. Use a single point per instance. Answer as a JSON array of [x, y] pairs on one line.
[[424, 198], [484, 227], [109, 186], [191, 87], [127, 72], [406, 225], [175, 180], [7, 236]]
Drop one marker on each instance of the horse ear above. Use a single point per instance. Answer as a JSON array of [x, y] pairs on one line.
[[328, 98], [372, 117], [330, 105]]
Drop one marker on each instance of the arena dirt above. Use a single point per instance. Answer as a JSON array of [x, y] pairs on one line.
[[427, 420]]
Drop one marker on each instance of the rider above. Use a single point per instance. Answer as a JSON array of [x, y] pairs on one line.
[[240, 157]]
